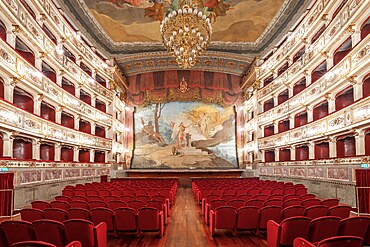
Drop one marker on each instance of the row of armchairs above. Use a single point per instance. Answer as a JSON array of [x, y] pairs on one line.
[[122, 219], [55, 233], [255, 219], [339, 241], [316, 230]]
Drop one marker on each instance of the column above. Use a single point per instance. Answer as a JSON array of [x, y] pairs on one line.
[[8, 144], [290, 91], [38, 61], [308, 78], [332, 148], [78, 60], [59, 77], [37, 104], [276, 127], [36, 149], [277, 152], [9, 89], [78, 90], [311, 150], [291, 122], [93, 73], [58, 114], [292, 153], [360, 142], [331, 103], [77, 122], [262, 155], [356, 37], [309, 111], [93, 100], [11, 35], [106, 156], [329, 62], [92, 155], [76, 153], [275, 98], [93, 125], [357, 89], [57, 151]]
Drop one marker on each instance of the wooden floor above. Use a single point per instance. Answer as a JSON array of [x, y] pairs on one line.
[[187, 228]]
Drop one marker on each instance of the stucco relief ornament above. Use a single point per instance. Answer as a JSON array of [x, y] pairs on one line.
[[183, 86]]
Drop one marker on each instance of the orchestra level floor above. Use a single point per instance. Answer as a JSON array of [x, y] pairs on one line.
[[186, 228]]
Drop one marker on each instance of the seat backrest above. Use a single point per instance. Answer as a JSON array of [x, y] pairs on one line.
[[323, 227], [125, 219], [227, 197], [68, 193], [253, 192], [155, 204], [330, 202], [301, 191], [268, 213], [60, 204], [94, 198], [135, 204], [143, 198], [32, 214], [288, 197], [316, 211], [97, 204], [161, 198], [260, 197], [126, 199], [292, 211], [341, 241], [292, 202], [80, 230], [40, 205], [63, 198], [217, 203], [274, 202], [79, 204], [111, 198], [50, 231], [310, 202], [354, 226], [56, 214], [237, 203], [342, 211], [292, 228], [104, 193], [247, 217], [91, 193], [307, 196], [244, 197], [79, 213], [225, 217], [255, 202], [80, 192], [103, 215], [32, 244], [116, 204], [148, 219], [117, 193], [79, 198], [18, 231], [275, 197]]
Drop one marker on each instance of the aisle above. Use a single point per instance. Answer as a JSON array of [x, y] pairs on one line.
[[187, 229]]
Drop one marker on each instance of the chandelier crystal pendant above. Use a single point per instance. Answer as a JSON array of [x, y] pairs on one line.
[[186, 33]]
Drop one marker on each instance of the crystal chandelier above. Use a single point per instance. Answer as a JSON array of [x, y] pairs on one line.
[[186, 33]]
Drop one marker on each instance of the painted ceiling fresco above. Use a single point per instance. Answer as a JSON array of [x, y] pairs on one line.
[[139, 20]]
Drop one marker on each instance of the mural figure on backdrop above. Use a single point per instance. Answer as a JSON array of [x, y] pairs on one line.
[[149, 130]]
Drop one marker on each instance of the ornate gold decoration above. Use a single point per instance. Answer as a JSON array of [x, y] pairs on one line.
[[186, 33], [183, 86]]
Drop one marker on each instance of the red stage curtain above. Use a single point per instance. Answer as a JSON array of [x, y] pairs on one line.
[[6, 197], [363, 180]]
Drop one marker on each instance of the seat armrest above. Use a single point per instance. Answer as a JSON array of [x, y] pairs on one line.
[[161, 224], [273, 234], [212, 224], [301, 242], [101, 235], [74, 244]]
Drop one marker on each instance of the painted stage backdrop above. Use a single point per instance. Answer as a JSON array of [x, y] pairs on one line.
[[184, 135]]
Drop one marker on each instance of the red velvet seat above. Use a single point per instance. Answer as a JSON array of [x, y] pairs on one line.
[[60, 204], [40, 205], [150, 219], [266, 192], [330, 202], [206, 200], [79, 204], [111, 198], [322, 228], [160, 206], [275, 197], [97, 204], [247, 218], [310, 202], [117, 193], [50, 231], [274, 202], [339, 241], [129, 193], [80, 192], [316, 211], [43, 244], [342, 211], [79, 213], [103, 215], [32, 214], [68, 193], [260, 197], [125, 219], [268, 213], [227, 197], [289, 229], [116, 204], [292, 202], [94, 198], [288, 197], [354, 226], [223, 217], [277, 192], [104, 193], [301, 191], [143, 198], [85, 232], [307, 196], [212, 205], [126, 199], [236, 203], [3, 242], [56, 214], [292, 211], [244, 197], [163, 199], [289, 191], [92, 193], [135, 204], [80, 198], [256, 203], [63, 198], [18, 231], [253, 192]]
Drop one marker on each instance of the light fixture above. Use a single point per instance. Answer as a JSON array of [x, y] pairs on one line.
[[186, 33]]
